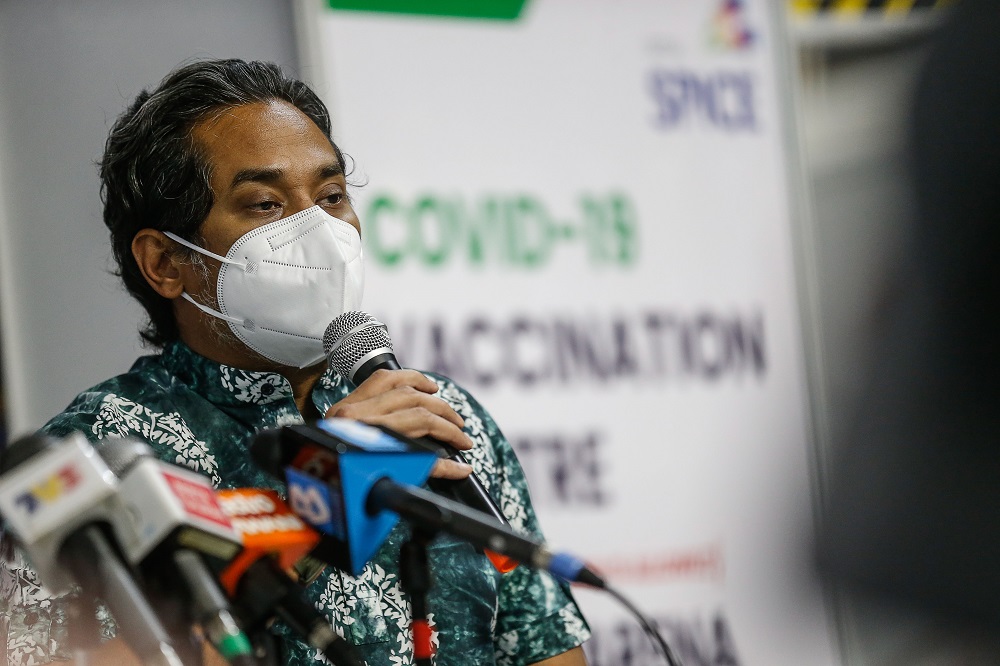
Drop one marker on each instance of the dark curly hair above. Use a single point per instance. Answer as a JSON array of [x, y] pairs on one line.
[[154, 175]]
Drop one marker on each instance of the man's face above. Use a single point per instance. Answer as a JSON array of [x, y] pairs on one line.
[[268, 161]]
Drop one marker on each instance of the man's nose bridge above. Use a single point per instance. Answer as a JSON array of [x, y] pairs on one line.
[[298, 201]]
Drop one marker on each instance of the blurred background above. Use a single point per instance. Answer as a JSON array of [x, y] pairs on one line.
[[67, 68]]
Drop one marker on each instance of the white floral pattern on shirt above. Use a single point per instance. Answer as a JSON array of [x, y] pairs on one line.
[[32, 618], [481, 456], [121, 417], [372, 607]]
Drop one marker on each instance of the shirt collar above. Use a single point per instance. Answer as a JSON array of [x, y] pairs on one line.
[[226, 385]]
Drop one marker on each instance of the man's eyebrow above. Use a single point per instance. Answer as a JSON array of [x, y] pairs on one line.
[[265, 175], [331, 170], [271, 175]]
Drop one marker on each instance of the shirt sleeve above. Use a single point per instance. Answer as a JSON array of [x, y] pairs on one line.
[[537, 617], [80, 416]]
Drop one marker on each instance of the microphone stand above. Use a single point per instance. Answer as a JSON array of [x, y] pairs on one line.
[[265, 646], [416, 580]]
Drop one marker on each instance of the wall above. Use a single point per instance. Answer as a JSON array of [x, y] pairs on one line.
[[67, 69]]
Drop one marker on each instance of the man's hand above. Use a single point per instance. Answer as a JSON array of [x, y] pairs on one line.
[[574, 657], [404, 400]]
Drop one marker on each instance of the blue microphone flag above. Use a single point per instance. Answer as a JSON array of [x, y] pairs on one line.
[[370, 455]]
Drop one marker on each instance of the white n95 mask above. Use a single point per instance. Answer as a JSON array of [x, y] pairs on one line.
[[281, 284]]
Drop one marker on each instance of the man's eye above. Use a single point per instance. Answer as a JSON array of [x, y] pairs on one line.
[[334, 199]]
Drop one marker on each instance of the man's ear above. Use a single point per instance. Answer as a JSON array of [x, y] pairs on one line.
[[154, 253]]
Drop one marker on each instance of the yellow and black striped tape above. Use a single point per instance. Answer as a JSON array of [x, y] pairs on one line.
[[887, 8]]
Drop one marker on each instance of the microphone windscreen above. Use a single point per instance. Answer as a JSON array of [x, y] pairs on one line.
[[352, 339], [121, 454]]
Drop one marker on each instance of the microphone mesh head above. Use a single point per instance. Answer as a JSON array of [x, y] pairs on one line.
[[120, 454], [351, 337]]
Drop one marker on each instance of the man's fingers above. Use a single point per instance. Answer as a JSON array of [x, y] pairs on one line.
[[449, 469], [403, 400], [382, 381], [398, 399], [406, 397], [419, 422]]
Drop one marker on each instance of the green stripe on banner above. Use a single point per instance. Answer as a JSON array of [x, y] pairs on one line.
[[505, 10]]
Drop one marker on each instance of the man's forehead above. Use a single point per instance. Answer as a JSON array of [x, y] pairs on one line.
[[256, 133], [239, 118]]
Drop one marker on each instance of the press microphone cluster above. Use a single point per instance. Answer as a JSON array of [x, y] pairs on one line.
[[128, 528], [249, 539]]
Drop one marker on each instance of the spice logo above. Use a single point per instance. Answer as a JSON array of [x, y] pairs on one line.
[[729, 28], [719, 100]]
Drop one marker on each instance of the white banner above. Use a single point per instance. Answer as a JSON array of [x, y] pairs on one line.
[[580, 212]]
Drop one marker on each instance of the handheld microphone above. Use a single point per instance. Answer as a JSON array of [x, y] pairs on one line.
[[356, 345], [55, 495], [174, 522], [365, 479], [274, 539]]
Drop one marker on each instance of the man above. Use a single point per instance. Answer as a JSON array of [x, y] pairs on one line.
[[230, 221]]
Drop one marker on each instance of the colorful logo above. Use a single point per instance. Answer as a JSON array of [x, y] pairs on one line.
[[729, 28], [312, 500], [50, 489]]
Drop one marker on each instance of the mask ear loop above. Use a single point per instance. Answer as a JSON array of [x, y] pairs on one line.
[[215, 313], [186, 296], [201, 250]]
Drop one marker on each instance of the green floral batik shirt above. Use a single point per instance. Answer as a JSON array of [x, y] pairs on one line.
[[197, 413]]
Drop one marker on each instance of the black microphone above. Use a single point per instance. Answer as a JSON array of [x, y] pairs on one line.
[[265, 592], [56, 496], [273, 538], [356, 345], [370, 473]]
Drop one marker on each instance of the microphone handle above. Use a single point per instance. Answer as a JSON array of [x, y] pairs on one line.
[[469, 491], [211, 609], [98, 569], [431, 511], [384, 360]]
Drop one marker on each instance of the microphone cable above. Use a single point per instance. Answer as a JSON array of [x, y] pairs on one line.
[[648, 626]]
